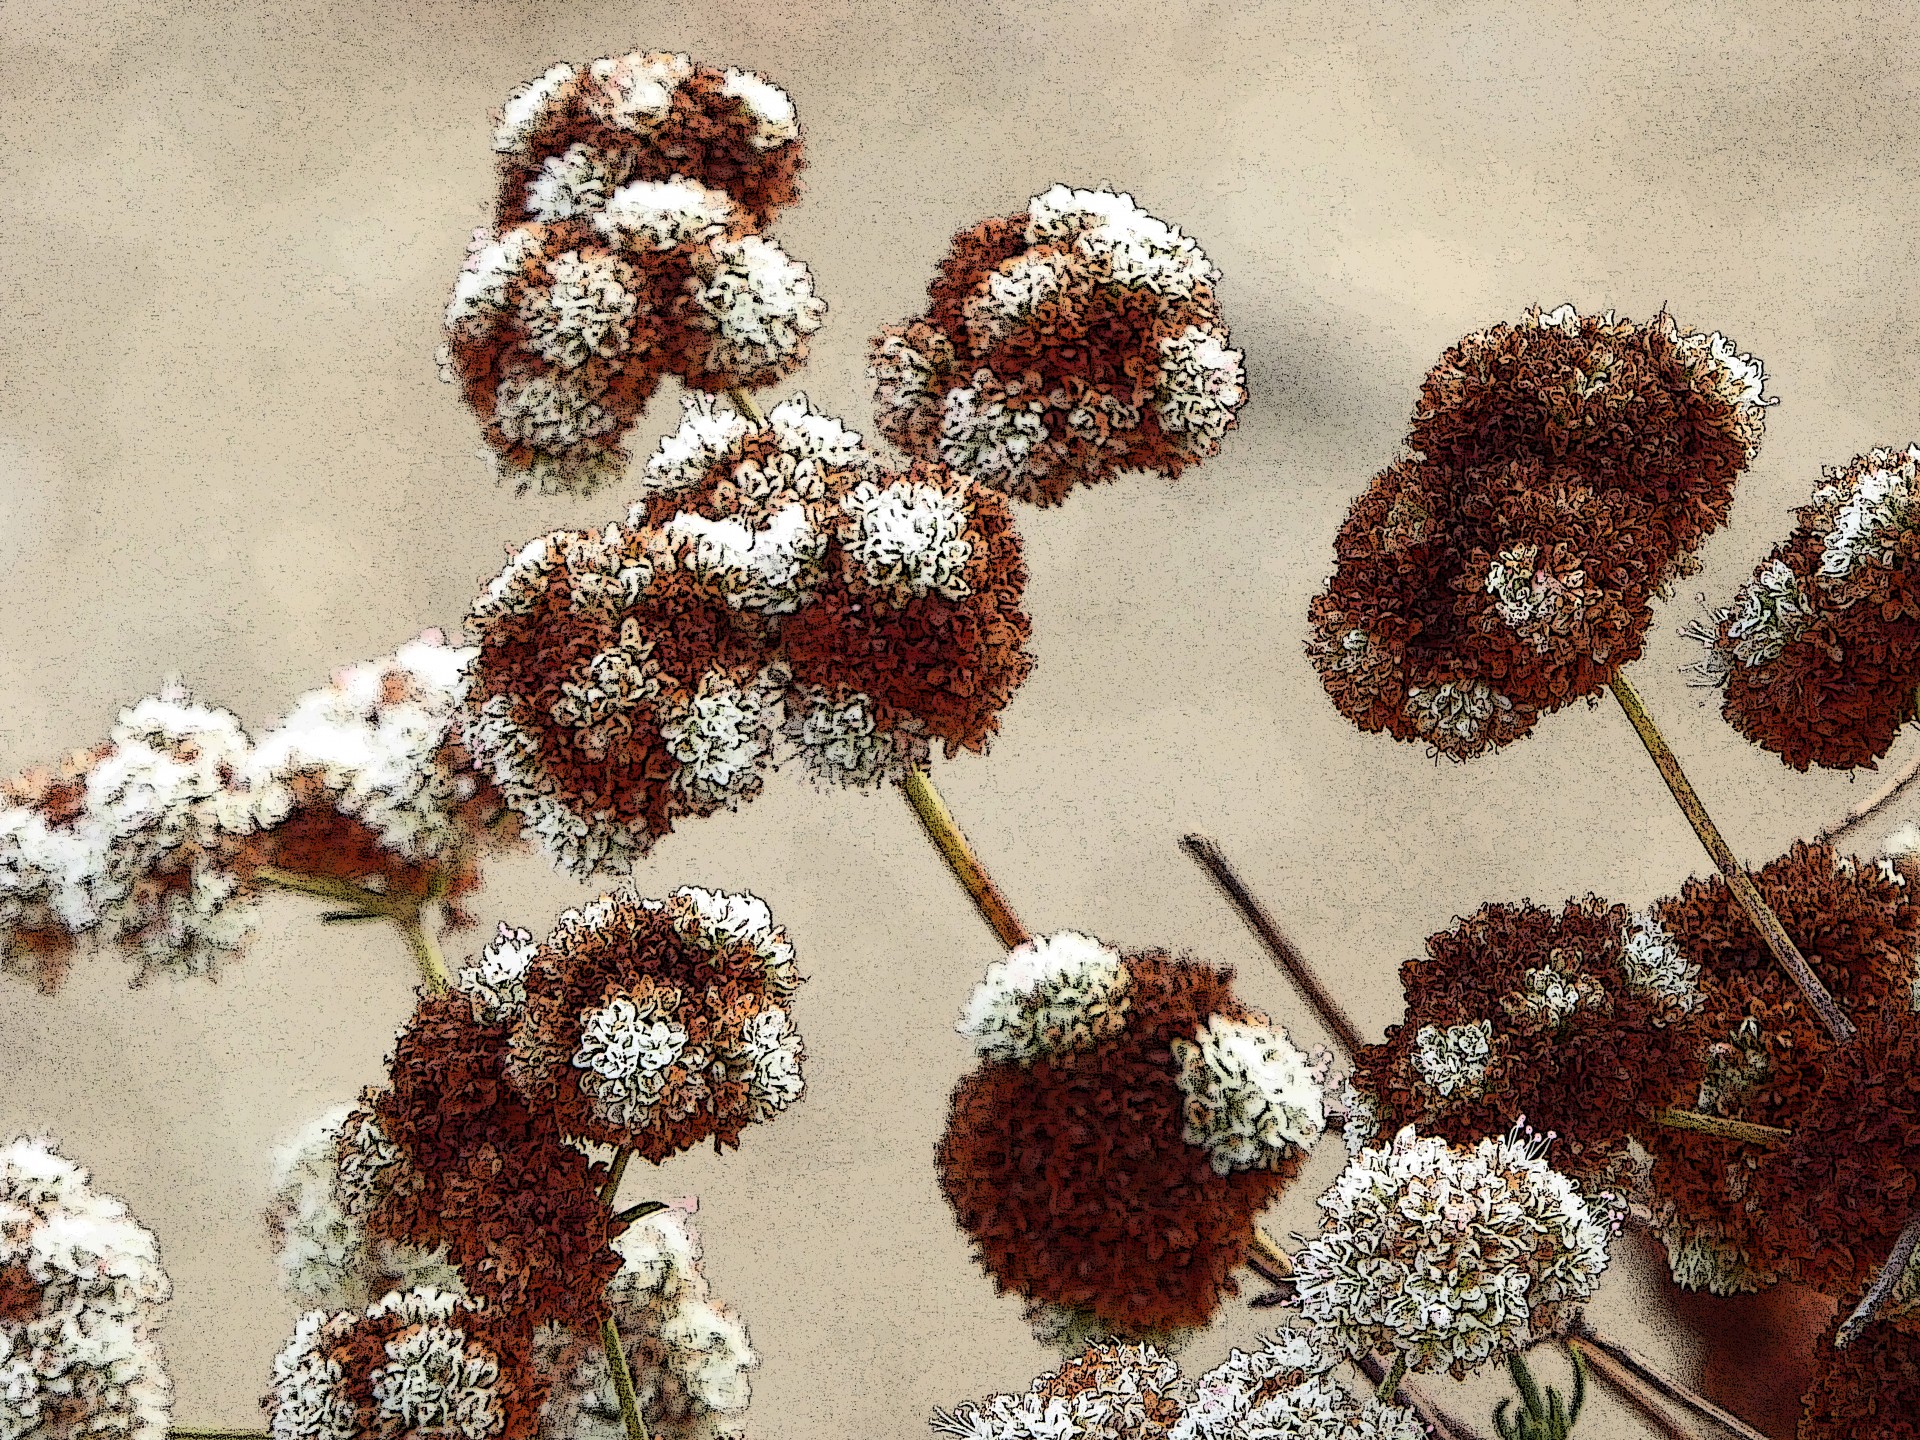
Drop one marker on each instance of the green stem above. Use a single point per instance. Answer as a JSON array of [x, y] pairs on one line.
[[639, 1212], [952, 844], [182, 1433], [612, 1187], [1745, 892], [1390, 1382], [426, 953], [622, 1379], [405, 913], [743, 402], [1744, 1131], [325, 887]]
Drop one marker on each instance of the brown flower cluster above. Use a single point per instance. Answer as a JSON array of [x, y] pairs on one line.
[[1580, 1022], [1062, 346], [1766, 1054], [1870, 1389], [1558, 476], [1074, 1171], [1819, 654], [626, 246], [633, 675]]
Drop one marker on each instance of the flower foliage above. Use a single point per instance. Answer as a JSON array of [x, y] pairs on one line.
[[1062, 346], [1558, 475]]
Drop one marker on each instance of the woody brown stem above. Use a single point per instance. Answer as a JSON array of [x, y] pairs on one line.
[[1630, 1372], [952, 844], [1876, 1298], [1290, 961], [1744, 1131], [1744, 891]]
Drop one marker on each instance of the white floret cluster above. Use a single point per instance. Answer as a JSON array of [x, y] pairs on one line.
[[1051, 996], [1252, 1100]]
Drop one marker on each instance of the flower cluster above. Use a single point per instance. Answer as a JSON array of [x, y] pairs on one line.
[[154, 841], [1764, 1053], [1449, 1256], [1282, 1391], [1579, 1021], [1870, 1388], [1558, 476], [1819, 654], [772, 581], [1202, 1113], [626, 246], [1060, 347], [79, 1284]]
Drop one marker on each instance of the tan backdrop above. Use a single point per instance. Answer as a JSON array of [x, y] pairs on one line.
[[229, 231]]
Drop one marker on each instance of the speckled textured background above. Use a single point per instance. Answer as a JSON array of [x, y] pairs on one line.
[[224, 455]]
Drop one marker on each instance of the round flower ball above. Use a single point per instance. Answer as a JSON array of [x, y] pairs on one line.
[[1763, 1048], [617, 689], [416, 1365], [1062, 346], [1111, 1391], [1127, 1121], [568, 140], [1870, 1388], [449, 1154], [1819, 654], [1448, 1256], [1579, 1021], [656, 1025], [1559, 475]]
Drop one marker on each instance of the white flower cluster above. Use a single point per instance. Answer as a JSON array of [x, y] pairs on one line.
[[1201, 387], [690, 1356], [1361, 1122], [1140, 251], [909, 538], [1285, 1391], [722, 735], [1109, 1391], [79, 1283], [663, 215], [1653, 964], [1460, 709], [496, 983], [1871, 510], [838, 737], [1051, 996], [990, 440], [628, 1047], [1740, 379], [709, 446], [757, 308], [50, 881], [325, 1257], [1455, 1058], [1449, 1256], [1252, 1099], [635, 92], [1701, 1256], [768, 104], [526, 108], [773, 568], [585, 311], [376, 744], [714, 919], [578, 182]]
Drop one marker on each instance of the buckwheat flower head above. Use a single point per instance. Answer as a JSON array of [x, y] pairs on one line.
[[1454, 1058], [497, 982], [1252, 1099], [1109, 1391], [80, 1282], [908, 538], [1819, 654], [636, 1036], [652, 116], [756, 309], [1051, 996], [1870, 1388], [1062, 346], [53, 874], [1449, 1256], [1139, 1234], [717, 465], [1284, 1391]]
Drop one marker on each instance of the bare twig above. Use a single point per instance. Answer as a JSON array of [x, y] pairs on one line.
[[954, 848], [1626, 1368], [1876, 1298]]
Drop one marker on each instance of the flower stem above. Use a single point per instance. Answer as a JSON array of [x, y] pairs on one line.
[[426, 953], [1390, 1382], [404, 912], [1877, 1296], [1744, 1131], [179, 1432], [1290, 961], [947, 838], [622, 1379], [612, 1187], [743, 402], [1437, 1421], [1744, 890], [638, 1212], [1634, 1376]]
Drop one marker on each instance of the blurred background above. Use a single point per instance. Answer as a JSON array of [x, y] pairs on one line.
[[229, 234]]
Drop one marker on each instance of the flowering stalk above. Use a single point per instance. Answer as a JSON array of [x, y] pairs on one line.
[[1742, 886], [1726, 1129], [952, 844], [622, 1379], [406, 915]]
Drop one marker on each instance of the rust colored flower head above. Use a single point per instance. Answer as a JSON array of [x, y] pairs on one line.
[[1062, 346], [417, 1365], [1128, 1120], [1764, 1049], [1578, 1021], [450, 1154], [656, 1025], [1871, 1388], [1819, 654], [570, 139], [617, 688], [1559, 476]]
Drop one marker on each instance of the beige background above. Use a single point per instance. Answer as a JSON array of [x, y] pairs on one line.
[[228, 234]]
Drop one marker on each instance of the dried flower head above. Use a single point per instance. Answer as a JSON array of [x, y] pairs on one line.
[[570, 138], [1579, 1021], [1141, 1230], [417, 1365], [657, 1025], [1285, 1391], [80, 1282], [1819, 654], [1450, 1256], [1763, 1046], [53, 870], [1559, 476], [1112, 1391], [455, 1157], [1061, 347], [1870, 1388]]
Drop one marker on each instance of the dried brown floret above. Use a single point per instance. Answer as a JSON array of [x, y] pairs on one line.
[[1868, 1391]]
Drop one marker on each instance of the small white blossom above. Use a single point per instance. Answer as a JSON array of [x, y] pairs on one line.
[[990, 441], [772, 567], [1023, 284], [1870, 511], [1653, 963], [480, 290], [716, 920], [1051, 996], [902, 377], [1285, 1391], [909, 539], [52, 879], [767, 104], [627, 1047], [709, 432], [586, 310], [1768, 615], [1455, 709], [1251, 1097], [526, 109], [1202, 383], [1455, 1058], [579, 182], [757, 308], [1141, 252], [1362, 1118], [769, 1060], [437, 1380], [807, 433], [497, 985], [550, 412], [664, 214], [635, 92], [721, 737], [839, 738]]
